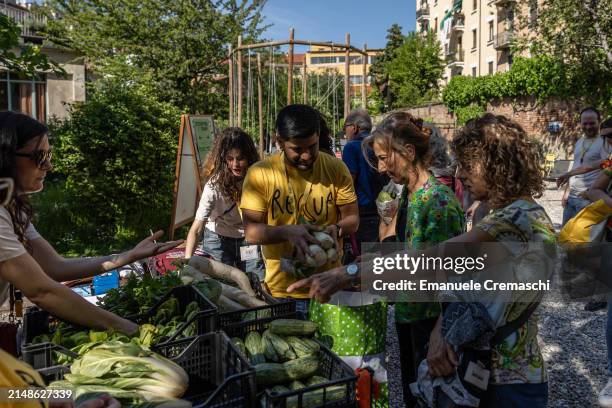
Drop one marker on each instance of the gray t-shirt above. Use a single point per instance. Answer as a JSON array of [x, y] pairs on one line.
[[10, 247], [221, 215], [587, 151]]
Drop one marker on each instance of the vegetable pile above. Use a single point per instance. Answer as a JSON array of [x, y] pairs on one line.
[[322, 254], [286, 358], [128, 372]]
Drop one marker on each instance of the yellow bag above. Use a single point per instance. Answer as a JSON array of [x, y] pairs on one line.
[[587, 225]]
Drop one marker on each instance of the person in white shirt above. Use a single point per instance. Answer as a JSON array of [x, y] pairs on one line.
[[27, 260], [218, 216]]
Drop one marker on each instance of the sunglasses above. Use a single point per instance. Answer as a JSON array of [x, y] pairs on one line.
[[6, 190], [40, 157]]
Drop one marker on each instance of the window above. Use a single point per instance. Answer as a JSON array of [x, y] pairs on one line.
[[490, 67], [356, 60], [473, 71], [373, 58], [491, 31], [356, 79], [326, 60], [459, 43], [22, 94], [474, 4], [510, 60], [436, 25], [474, 38]]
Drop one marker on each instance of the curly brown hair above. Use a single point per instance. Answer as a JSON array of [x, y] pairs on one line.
[[216, 169], [510, 160]]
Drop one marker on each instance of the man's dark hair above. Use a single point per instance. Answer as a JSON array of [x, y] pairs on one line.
[[298, 122], [591, 109]]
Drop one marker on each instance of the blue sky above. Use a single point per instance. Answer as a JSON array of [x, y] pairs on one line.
[[330, 20]]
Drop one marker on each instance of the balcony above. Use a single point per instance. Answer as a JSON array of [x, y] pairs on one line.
[[455, 58], [422, 13], [503, 3], [25, 19], [503, 40], [458, 23]]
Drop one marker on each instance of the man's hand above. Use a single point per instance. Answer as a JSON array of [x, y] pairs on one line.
[[441, 357], [323, 285], [149, 247], [300, 236], [562, 180], [565, 198]]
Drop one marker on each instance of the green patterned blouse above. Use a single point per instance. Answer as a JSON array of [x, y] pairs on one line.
[[433, 215]]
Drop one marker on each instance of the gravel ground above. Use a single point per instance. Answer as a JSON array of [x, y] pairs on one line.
[[572, 340]]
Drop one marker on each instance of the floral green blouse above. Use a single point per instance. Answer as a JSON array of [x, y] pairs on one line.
[[433, 215], [518, 359]]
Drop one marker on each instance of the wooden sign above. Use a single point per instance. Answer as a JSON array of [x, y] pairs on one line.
[[195, 139]]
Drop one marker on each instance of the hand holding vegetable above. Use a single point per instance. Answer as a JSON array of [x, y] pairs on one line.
[[149, 247], [323, 285], [301, 236]]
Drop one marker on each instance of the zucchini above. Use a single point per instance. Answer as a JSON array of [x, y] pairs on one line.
[[316, 380], [253, 344], [239, 345], [269, 350], [283, 349], [296, 385], [301, 347], [293, 327], [279, 389], [319, 397], [209, 288], [302, 368]]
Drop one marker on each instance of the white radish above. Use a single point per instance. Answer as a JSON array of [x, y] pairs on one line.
[[240, 296], [332, 255], [219, 270], [318, 254], [324, 239]]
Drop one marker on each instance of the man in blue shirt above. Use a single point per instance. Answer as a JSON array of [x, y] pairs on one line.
[[368, 183]]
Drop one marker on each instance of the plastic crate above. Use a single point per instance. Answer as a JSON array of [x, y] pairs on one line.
[[204, 319], [42, 355], [331, 366], [243, 321], [219, 376], [105, 282], [35, 322]]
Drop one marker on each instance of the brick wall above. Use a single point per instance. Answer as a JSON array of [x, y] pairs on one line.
[[532, 117]]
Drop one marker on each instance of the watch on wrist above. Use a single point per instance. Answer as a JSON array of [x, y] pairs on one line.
[[352, 270]]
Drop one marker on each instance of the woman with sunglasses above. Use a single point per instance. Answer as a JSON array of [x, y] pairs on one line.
[[27, 260]]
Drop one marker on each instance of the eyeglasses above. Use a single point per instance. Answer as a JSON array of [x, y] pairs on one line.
[[40, 157], [6, 190]]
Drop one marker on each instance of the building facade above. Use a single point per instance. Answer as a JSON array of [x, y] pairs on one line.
[[475, 35], [47, 95]]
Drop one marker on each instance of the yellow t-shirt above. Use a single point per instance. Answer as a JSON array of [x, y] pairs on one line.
[[16, 374], [319, 192]]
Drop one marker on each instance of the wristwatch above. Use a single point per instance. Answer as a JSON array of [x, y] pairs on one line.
[[352, 270]]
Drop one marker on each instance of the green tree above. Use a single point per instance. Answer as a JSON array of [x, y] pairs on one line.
[[116, 153], [578, 35], [181, 45], [378, 70], [29, 60], [416, 71]]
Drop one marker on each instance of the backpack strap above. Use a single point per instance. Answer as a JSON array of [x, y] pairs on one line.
[[510, 327]]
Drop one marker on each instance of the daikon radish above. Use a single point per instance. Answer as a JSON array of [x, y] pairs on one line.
[[240, 296], [228, 305], [220, 270]]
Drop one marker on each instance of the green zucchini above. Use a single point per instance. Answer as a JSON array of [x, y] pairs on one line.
[[293, 327], [302, 368], [268, 347], [253, 344], [301, 347], [282, 348]]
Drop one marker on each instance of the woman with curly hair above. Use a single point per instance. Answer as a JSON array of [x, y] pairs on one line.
[[27, 260], [218, 217], [498, 164]]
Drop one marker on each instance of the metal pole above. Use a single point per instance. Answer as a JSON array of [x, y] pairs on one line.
[[290, 69], [239, 56], [230, 86], [260, 106], [347, 75], [305, 82], [364, 98]]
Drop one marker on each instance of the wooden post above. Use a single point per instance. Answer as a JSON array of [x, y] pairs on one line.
[[239, 56], [305, 82], [260, 106], [290, 69], [364, 88], [347, 76], [231, 86]]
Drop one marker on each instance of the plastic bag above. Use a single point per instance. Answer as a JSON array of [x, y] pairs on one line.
[[388, 202]]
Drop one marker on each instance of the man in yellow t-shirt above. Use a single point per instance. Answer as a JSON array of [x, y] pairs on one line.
[[294, 192]]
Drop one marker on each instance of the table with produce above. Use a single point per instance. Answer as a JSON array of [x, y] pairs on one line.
[[207, 338]]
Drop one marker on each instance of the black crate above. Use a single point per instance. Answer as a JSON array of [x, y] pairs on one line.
[[42, 355], [219, 376], [331, 366], [35, 322], [243, 321], [204, 319]]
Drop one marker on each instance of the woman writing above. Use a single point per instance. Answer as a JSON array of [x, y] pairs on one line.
[[27, 260], [218, 217]]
